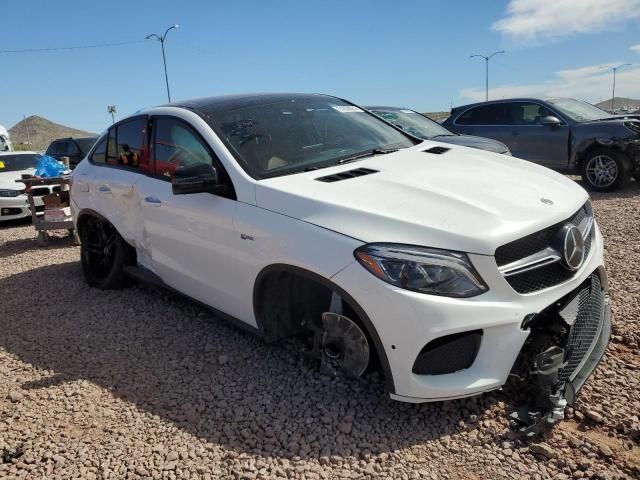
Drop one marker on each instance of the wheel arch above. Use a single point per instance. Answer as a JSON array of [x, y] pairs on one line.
[[83, 216], [364, 319], [588, 146]]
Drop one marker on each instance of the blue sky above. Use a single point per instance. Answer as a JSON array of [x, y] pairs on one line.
[[412, 53]]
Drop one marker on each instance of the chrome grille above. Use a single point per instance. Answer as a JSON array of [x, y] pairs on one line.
[[40, 191], [531, 263]]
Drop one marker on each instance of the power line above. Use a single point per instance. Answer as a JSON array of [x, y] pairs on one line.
[[77, 47]]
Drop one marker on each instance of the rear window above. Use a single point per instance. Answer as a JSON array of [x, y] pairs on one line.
[[85, 144]]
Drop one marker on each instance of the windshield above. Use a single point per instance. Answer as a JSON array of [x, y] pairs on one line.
[[577, 110], [85, 144], [413, 123], [15, 163], [301, 133]]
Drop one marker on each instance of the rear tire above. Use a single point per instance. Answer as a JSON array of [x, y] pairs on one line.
[[605, 170], [104, 254]]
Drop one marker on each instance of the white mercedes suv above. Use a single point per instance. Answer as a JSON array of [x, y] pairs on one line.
[[292, 214]]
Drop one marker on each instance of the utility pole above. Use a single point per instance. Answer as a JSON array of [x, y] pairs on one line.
[[112, 110], [613, 94], [161, 39], [486, 71], [26, 125]]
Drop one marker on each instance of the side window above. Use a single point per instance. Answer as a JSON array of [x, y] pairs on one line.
[[100, 153], [112, 158], [131, 144], [72, 148], [176, 145], [494, 114], [528, 113], [60, 148], [52, 149]]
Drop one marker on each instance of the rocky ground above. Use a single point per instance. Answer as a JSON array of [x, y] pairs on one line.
[[137, 384]]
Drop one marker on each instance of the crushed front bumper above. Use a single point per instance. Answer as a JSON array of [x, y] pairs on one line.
[[407, 322], [566, 344]]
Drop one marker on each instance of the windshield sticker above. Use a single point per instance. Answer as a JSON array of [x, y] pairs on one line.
[[346, 108], [408, 111]]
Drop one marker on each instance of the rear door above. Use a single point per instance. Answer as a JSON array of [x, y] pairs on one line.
[[113, 185], [491, 121]]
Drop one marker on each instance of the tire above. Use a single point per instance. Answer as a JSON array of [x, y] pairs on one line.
[[104, 254], [43, 238], [605, 170]]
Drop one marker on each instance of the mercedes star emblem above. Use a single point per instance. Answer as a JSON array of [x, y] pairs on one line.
[[573, 252]]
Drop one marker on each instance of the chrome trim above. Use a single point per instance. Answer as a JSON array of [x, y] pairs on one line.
[[543, 257], [539, 259]]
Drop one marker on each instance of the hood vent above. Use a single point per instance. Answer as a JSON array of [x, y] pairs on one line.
[[437, 150], [336, 177]]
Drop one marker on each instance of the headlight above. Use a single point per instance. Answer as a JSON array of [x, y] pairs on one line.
[[10, 193], [421, 269]]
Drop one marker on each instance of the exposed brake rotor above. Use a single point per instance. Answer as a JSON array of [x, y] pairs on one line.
[[343, 345]]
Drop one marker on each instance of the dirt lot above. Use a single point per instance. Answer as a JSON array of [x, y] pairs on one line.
[[135, 384]]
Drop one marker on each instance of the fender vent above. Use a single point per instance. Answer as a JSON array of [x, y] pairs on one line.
[[336, 177], [437, 150]]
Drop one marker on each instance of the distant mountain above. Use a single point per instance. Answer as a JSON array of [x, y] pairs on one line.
[[437, 116], [620, 102], [41, 132]]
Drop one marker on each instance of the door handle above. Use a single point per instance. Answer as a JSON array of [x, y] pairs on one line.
[[104, 189], [515, 133], [155, 201]]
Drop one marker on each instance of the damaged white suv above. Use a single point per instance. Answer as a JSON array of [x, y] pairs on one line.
[[293, 214]]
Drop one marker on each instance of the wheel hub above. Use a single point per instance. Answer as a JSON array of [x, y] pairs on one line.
[[602, 171]]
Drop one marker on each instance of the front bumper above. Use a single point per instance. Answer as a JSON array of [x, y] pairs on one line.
[[14, 208], [407, 321]]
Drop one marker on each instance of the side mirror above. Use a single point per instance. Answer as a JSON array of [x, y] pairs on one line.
[[550, 121], [200, 178]]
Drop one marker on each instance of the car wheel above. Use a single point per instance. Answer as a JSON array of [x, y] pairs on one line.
[[606, 170], [104, 254]]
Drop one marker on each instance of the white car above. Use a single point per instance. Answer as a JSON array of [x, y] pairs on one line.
[[13, 201], [294, 214]]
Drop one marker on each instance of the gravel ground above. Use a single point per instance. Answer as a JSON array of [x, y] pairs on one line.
[[138, 384]]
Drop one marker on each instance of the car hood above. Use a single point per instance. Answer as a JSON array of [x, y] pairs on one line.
[[8, 179], [473, 142], [464, 199]]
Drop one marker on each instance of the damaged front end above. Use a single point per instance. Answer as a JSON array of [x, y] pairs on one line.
[[566, 343]]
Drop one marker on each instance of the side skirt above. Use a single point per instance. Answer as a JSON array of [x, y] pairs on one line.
[[146, 276]]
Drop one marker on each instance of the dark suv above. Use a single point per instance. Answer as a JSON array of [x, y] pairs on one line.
[[560, 133], [74, 148]]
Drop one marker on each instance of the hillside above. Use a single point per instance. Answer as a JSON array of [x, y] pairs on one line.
[[620, 102], [437, 116], [41, 132]]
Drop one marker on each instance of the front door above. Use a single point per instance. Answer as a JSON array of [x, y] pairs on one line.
[[546, 145], [188, 240]]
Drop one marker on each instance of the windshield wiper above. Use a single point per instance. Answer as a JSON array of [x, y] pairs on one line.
[[370, 153]]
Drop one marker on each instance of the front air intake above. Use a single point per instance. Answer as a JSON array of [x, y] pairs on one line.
[[336, 177], [448, 354]]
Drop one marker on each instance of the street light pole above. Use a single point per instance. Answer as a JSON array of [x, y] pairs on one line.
[[112, 110], [486, 70], [613, 95], [161, 39]]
